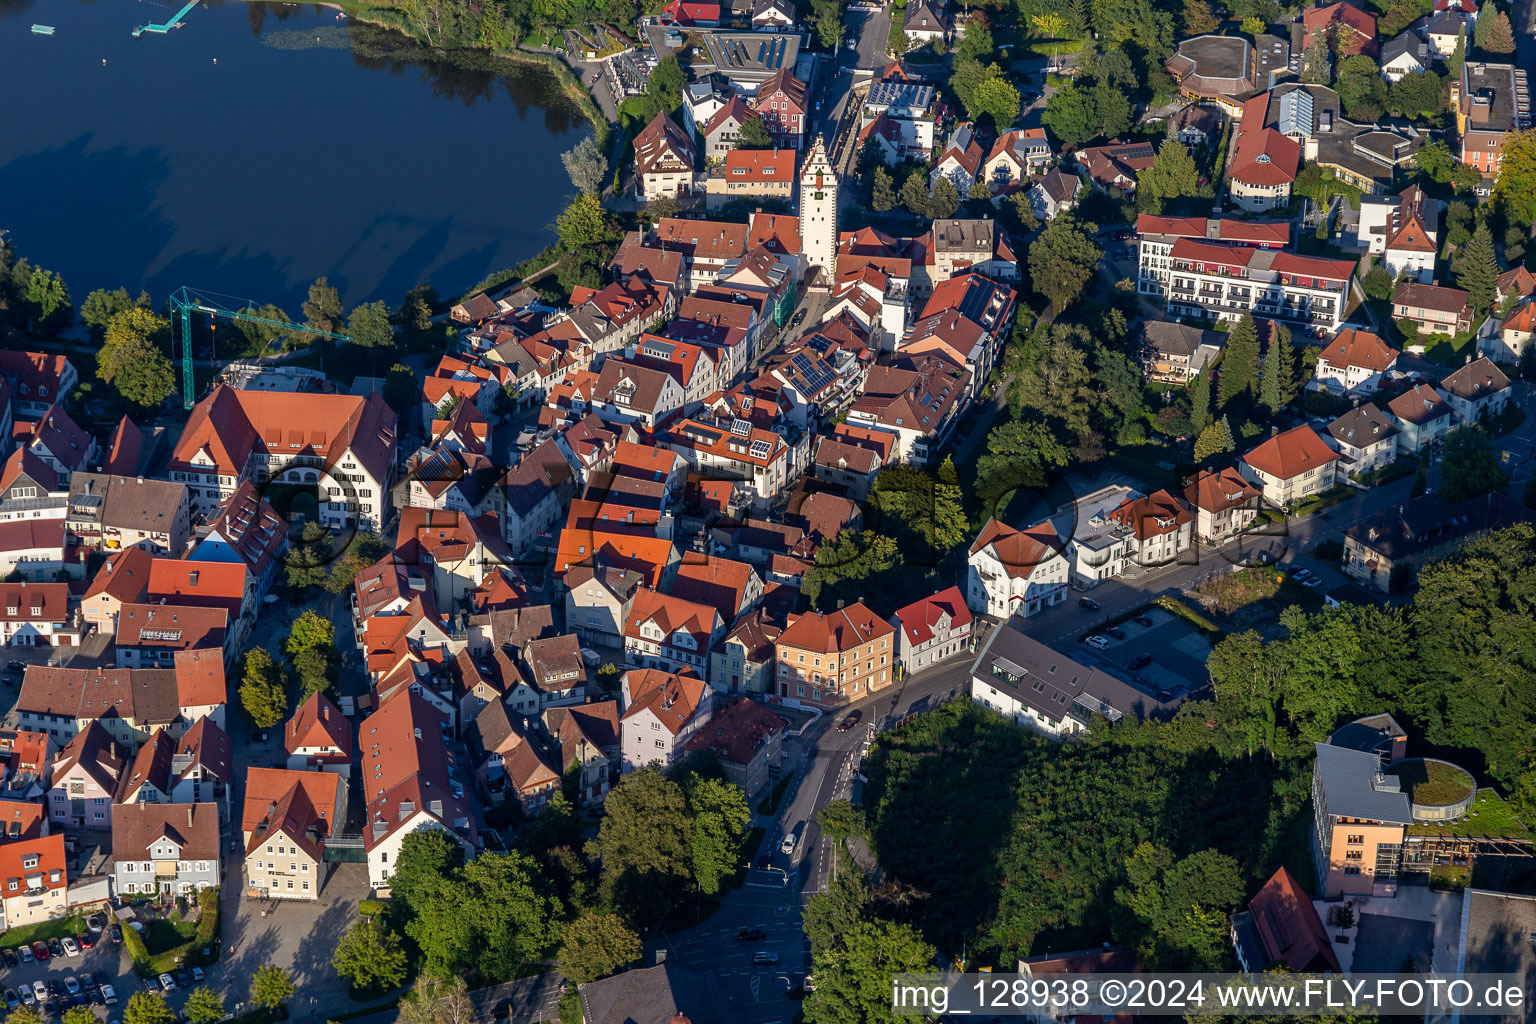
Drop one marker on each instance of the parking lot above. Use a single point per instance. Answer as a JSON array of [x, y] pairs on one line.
[[1177, 650], [106, 963]]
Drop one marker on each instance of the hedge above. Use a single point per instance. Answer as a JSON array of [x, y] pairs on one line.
[[189, 953]]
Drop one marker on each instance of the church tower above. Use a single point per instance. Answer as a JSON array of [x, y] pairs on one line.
[[818, 213]]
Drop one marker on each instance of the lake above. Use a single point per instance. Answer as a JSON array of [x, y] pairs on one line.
[[263, 145]]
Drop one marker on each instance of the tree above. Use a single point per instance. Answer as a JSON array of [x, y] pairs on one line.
[[47, 298], [839, 822], [586, 166], [584, 224], [400, 389], [146, 1008], [305, 563], [1477, 269], [1017, 455], [1278, 383], [1469, 468], [853, 980], [512, 909], [1501, 36], [131, 360], [1515, 186], [310, 629], [914, 194], [1458, 56], [976, 41], [1417, 95], [322, 310], [719, 818], [1252, 25], [1377, 283], [313, 666], [415, 310], [945, 199], [1196, 18], [370, 957], [438, 1001], [645, 845], [27, 1015], [1240, 363], [665, 85], [203, 1006], [1062, 260], [1200, 401], [996, 99], [1173, 175], [754, 135], [370, 326], [1072, 115], [263, 690], [84, 1015], [100, 306], [271, 987], [1214, 440], [1315, 65], [595, 945], [1435, 160], [827, 19], [882, 194], [1361, 88]]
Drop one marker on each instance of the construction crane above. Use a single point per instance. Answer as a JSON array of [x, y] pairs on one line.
[[187, 301]]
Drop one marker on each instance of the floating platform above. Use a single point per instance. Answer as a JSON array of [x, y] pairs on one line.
[[42, 30]]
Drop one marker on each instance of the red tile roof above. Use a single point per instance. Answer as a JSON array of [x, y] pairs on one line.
[[1288, 925], [49, 873], [835, 632], [1262, 156], [34, 602], [1218, 491], [1354, 347], [1291, 454], [737, 732], [318, 723], [918, 618], [1152, 516]]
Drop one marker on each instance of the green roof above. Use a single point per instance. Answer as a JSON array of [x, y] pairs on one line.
[[1489, 818]]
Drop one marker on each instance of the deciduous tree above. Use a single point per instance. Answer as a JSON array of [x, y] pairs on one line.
[[720, 816], [322, 309], [147, 1008], [1196, 18], [665, 84], [944, 200], [370, 957], [263, 690], [1062, 260], [645, 845], [595, 945], [203, 1006], [1469, 468], [853, 982], [997, 100], [586, 166], [370, 325], [310, 629], [754, 135], [1173, 175]]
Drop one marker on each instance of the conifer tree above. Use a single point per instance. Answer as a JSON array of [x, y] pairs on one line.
[[1240, 363], [1477, 269]]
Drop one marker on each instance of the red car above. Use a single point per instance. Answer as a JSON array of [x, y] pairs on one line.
[[40, 950]]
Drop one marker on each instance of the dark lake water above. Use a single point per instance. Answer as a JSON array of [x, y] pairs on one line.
[[237, 154]]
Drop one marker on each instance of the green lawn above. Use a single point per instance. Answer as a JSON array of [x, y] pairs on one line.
[[1433, 784], [161, 934], [44, 930], [1490, 817], [1445, 349]]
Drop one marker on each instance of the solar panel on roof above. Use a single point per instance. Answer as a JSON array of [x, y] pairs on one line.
[[741, 428], [760, 449]]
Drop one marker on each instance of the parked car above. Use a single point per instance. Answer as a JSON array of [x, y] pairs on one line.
[[116, 933], [39, 990], [1089, 603], [1315, 581], [12, 1000], [1118, 634], [1097, 642], [55, 947], [27, 997], [167, 982], [109, 995], [183, 980], [100, 976], [40, 950], [85, 940], [25, 954], [72, 984], [762, 956], [96, 922], [197, 974], [50, 1009], [151, 985], [71, 947], [1140, 661], [11, 959], [750, 935], [55, 986], [1142, 620]]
